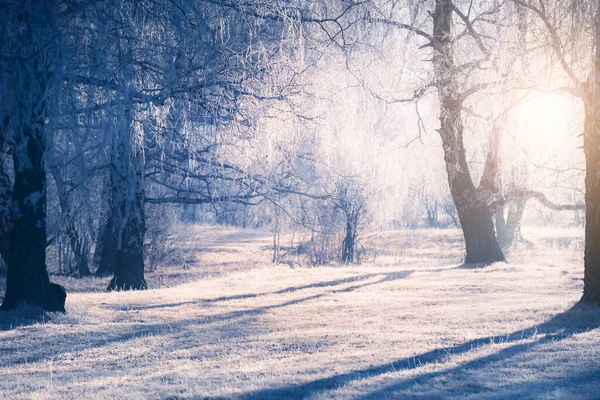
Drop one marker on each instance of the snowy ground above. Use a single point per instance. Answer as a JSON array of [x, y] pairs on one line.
[[412, 323]]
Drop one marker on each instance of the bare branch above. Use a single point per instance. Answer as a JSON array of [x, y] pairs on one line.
[[556, 43], [403, 26], [532, 194]]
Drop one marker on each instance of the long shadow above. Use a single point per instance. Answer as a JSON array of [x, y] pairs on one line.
[[23, 316], [575, 320], [385, 277], [44, 348], [539, 388], [290, 289], [388, 277], [550, 334]]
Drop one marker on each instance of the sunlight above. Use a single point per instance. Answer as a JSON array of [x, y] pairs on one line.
[[299, 199], [545, 121]]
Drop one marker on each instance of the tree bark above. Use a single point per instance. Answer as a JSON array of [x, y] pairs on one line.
[[474, 215], [106, 248], [126, 175], [5, 209], [591, 280], [27, 280], [591, 147]]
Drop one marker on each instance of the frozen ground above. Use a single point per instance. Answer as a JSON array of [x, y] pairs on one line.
[[412, 323]]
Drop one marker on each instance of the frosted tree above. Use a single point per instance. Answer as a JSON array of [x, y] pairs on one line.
[[455, 79], [190, 104], [29, 61]]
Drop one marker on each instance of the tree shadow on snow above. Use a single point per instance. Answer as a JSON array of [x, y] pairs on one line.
[[577, 319], [384, 277], [43, 349], [23, 316]]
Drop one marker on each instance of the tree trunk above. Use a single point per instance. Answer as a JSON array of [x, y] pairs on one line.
[[27, 280], [480, 237], [126, 176], [106, 248], [591, 146], [5, 206], [353, 215], [474, 215], [80, 249], [348, 243], [591, 280]]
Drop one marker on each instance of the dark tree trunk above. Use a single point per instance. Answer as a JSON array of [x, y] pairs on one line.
[[348, 242], [591, 280], [126, 176], [129, 257], [480, 237], [591, 146], [105, 256], [5, 206], [474, 215], [27, 280], [80, 249]]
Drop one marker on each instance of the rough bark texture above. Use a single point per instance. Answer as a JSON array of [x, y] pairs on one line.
[[591, 146], [27, 280], [106, 248], [591, 288], [127, 184], [5, 207], [474, 215]]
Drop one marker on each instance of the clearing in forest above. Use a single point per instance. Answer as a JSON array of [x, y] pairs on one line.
[[411, 323]]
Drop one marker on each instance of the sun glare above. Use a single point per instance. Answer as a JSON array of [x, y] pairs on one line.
[[544, 121]]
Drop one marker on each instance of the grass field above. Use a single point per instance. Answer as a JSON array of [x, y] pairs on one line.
[[411, 323]]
